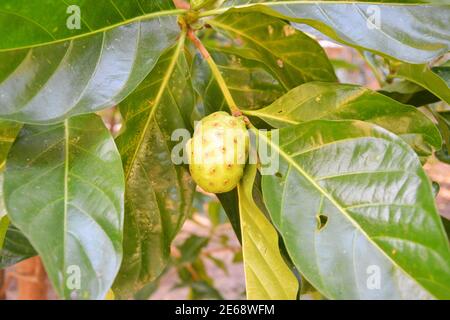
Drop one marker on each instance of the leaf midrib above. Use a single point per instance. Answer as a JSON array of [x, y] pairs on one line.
[[158, 98]]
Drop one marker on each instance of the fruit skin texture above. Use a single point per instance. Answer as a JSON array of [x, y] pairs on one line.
[[218, 151]]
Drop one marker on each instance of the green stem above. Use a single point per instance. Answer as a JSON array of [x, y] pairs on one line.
[[223, 86], [216, 73], [373, 68]]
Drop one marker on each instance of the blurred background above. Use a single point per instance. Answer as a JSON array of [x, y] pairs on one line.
[[206, 255]]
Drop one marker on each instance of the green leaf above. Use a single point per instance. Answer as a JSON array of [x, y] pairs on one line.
[[290, 55], [4, 224], [436, 188], [407, 92], [8, 133], [414, 33], [313, 101], [230, 203], [191, 248], [71, 177], [219, 263], [443, 119], [425, 77], [250, 85], [29, 24], [16, 248], [446, 223], [158, 192], [253, 73], [147, 291], [47, 84], [2, 202], [267, 277], [344, 65], [203, 290], [443, 72], [443, 155], [365, 208], [4, 219]]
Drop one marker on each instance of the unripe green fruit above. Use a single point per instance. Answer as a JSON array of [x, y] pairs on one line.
[[218, 152]]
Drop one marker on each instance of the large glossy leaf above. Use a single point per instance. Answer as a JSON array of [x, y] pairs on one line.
[[316, 100], [8, 133], [64, 190], [366, 212], [290, 55], [425, 77], [49, 21], [158, 193], [50, 83], [415, 33], [267, 276]]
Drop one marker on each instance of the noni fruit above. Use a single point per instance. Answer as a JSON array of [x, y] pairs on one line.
[[218, 152]]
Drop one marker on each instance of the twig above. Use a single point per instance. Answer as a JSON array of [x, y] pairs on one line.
[[198, 44]]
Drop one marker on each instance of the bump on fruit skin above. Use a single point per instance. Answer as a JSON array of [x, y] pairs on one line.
[[218, 152]]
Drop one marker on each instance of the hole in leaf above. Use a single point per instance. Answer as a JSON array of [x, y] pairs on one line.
[[321, 221]]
